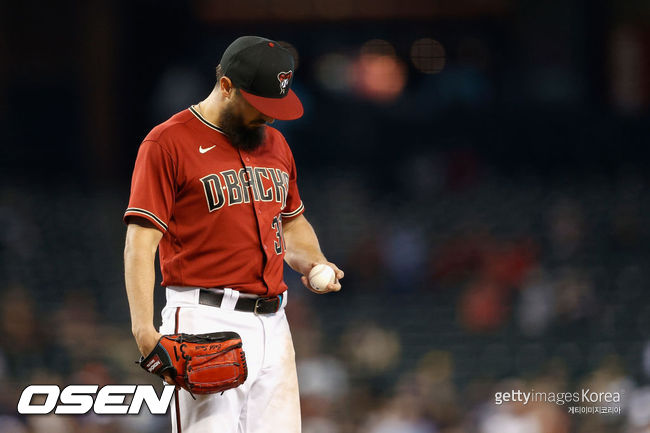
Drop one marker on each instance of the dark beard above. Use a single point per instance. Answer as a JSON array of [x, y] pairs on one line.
[[241, 136]]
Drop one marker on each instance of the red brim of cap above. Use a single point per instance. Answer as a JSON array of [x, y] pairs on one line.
[[287, 108]]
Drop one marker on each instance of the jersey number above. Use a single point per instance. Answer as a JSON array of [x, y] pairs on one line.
[[279, 244]]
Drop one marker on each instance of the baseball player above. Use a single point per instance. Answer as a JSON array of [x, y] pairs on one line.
[[214, 190]]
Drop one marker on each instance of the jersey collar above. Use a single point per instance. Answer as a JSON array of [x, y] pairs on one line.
[[205, 122]]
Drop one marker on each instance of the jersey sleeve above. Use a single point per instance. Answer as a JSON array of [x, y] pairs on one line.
[[152, 185], [294, 206]]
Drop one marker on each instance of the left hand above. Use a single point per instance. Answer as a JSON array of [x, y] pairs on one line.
[[332, 287]]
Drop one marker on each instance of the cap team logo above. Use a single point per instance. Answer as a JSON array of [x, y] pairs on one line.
[[284, 78]]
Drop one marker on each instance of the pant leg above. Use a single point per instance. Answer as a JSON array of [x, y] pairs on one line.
[[274, 403]]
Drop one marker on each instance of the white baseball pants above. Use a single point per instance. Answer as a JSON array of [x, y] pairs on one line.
[[268, 401]]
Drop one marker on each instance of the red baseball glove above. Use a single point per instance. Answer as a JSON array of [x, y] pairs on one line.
[[200, 363]]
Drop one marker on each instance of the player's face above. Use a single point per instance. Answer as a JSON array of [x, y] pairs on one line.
[[243, 123]]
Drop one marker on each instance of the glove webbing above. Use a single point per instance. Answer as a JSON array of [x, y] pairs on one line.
[[188, 358]]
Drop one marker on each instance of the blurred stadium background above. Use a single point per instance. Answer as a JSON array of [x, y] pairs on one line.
[[478, 168]]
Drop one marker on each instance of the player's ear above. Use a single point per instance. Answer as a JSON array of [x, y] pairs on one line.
[[226, 88]]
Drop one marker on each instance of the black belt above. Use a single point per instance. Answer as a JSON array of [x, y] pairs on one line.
[[252, 305]]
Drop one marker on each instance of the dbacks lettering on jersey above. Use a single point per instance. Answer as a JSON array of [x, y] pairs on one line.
[[265, 184]]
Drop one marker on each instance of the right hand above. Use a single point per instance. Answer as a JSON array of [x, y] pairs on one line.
[[146, 341], [332, 287]]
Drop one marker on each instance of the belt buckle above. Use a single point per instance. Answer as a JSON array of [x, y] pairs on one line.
[[257, 304], [278, 303]]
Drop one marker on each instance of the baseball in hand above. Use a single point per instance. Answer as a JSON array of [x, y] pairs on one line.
[[320, 276]]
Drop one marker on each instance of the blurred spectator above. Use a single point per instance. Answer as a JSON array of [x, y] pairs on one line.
[[365, 257], [434, 386], [76, 328], [638, 413], [11, 424], [402, 413], [509, 417], [566, 227], [372, 350], [484, 306], [21, 338], [323, 382], [19, 236], [54, 424], [459, 258], [536, 307], [404, 252], [551, 417], [574, 295]]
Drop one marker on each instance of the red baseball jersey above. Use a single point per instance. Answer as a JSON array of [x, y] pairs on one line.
[[220, 209]]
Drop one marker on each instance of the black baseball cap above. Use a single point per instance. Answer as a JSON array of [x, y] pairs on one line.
[[263, 72]]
